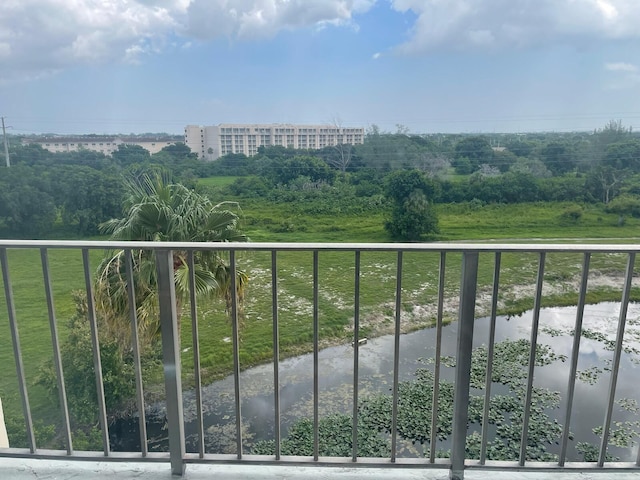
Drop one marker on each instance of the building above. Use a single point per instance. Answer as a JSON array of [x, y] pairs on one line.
[[211, 142], [103, 144]]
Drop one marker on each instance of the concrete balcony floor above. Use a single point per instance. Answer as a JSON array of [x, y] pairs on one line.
[[30, 469]]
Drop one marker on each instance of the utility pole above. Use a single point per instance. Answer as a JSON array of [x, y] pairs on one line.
[[6, 145]]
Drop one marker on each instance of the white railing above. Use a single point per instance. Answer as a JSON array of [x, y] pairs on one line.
[[177, 454]]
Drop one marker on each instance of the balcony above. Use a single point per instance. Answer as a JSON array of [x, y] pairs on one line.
[[459, 268]]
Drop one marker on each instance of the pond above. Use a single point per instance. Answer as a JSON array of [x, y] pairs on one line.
[[376, 367]]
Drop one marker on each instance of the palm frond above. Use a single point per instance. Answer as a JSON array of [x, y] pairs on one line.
[[157, 210]]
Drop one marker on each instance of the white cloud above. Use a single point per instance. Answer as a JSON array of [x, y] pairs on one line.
[[39, 37], [625, 76], [621, 67], [250, 19], [463, 24], [48, 35]]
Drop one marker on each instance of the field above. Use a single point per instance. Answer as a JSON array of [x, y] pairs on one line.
[[216, 181], [271, 222]]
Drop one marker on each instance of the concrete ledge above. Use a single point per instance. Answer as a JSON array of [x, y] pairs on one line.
[[31, 469]]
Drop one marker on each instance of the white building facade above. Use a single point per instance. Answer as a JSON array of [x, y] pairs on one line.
[[212, 142], [103, 144]]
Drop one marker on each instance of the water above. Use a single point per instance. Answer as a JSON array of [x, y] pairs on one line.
[[376, 367]]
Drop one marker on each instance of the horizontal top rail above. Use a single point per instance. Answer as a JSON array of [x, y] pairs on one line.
[[307, 246]]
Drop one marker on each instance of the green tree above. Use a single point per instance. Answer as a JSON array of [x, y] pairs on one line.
[[85, 197], [157, 210], [77, 361], [129, 154], [623, 156], [470, 153], [558, 157], [624, 204], [412, 216], [520, 147], [179, 151], [27, 210], [604, 183], [286, 171]]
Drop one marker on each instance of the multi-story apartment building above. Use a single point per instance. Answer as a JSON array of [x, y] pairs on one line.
[[104, 144], [211, 142]]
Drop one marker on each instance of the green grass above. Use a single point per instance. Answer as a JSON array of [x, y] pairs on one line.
[[281, 223], [530, 220], [33, 318]]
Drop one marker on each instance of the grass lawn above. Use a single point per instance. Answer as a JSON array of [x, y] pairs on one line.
[[281, 223], [33, 318]]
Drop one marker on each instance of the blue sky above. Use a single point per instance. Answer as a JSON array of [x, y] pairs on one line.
[[121, 66]]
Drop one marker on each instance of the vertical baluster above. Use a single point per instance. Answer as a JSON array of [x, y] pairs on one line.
[[464, 348], [95, 343], [17, 353], [638, 457], [615, 366], [276, 351], [236, 351], [135, 345], [532, 360], [436, 369], [575, 351], [57, 360], [196, 350], [171, 358], [489, 371], [396, 359], [356, 352], [316, 332]]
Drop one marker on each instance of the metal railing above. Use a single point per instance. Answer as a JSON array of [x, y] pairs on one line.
[[171, 359]]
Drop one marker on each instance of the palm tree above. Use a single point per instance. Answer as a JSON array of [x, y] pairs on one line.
[[157, 210]]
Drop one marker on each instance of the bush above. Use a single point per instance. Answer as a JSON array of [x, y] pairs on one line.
[[571, 215], [412, 217], [624, 205], [412, 221], [77, 363], [249, 187]]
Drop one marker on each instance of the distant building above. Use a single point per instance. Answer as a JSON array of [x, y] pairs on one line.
[[103, 144], [211, 142]]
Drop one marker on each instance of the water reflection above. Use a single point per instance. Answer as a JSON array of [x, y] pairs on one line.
[[376, 367]]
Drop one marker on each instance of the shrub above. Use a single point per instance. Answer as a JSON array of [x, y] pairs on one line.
[[571, 214], [77, 363]]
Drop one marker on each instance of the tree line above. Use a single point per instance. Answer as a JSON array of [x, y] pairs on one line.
[[71, 193], [406, 175]]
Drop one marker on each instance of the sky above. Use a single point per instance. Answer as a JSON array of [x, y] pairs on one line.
[[135, 66]]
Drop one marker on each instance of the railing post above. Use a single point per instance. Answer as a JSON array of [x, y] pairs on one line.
[[463, 362], [171, 358]]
